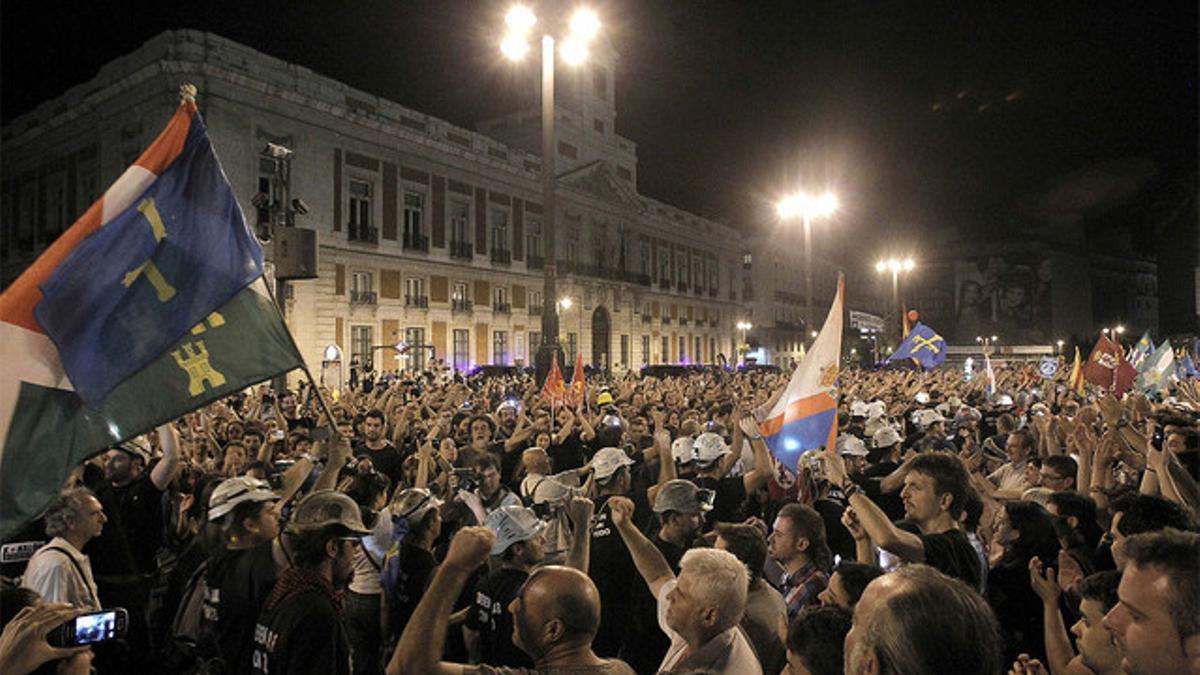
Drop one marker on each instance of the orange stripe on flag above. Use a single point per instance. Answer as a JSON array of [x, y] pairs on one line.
[[17, 302], [804, 407]]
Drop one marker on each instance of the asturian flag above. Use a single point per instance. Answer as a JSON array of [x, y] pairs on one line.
[[1186, 368], [922, 345], [1143, 348], [805, 417], [138, 313]]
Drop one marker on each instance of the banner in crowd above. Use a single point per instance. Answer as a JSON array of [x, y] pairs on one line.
[[578, 383], [923, 346], [1077, 381], [1107, 368], [554, 389], [1143, 348], [1048, 367], [805, 417], [163, 277], [1156, 370], [1186, 368]]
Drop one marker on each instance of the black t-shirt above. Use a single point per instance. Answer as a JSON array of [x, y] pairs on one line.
[[134, 531], [951, 553], [416, 569], [238, 584], [617, 580], [890, 502], [730, 495], [386, 460], [1017, 608], [490, 616], [302, 634], [837, 536], [567, 455]]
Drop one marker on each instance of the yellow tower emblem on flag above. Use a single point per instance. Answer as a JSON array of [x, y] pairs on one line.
[[192, 357]]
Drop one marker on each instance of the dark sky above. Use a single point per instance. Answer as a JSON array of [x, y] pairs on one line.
[[920, 114]]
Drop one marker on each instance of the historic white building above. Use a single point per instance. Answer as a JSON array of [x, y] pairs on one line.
[[427, 232]]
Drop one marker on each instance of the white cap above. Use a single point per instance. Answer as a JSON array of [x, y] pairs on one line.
[[943, 408], [922, 397], [876, 409], [608, 461], [710, 447], [1004, 399], [234, 491], [928, 417], [874, 424], [512, 524], [858, 409], [851, 445], [683, 449], [885, 437]]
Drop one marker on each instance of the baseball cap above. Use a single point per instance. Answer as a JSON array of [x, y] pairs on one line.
[[874, 424], [138, 447], [876, 409], [1004, 400], [928, 417], [710, 447], [683, 449], [414, 503], [325, 508], [922, 397], [608, 461], [851, 445], [234, 491], [858, 409], [512, 524], [604, 398], [682, 496], [885, 437]]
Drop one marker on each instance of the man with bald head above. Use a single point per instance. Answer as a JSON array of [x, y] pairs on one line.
[[918, 620], [555, 616]]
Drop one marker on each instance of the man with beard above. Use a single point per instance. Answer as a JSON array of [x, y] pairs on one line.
[[797, 543], [555, 615], [301, 629], [376, 447]]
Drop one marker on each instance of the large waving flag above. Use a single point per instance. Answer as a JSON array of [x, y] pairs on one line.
[[922, 345], [231, 335], [1077, 381], [805, 416], [1143, 348], [554, 389], [1107, 368], [1157, 368], [574, 394], [1185, 368]]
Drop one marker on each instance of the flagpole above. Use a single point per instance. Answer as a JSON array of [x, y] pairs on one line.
[[303, 364]]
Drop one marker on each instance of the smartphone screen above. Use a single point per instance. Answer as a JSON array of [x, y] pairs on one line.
[[98, 627]]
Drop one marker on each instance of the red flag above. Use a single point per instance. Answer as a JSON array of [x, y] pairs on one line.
[[554, 389], [1108, 369], [574, 395]]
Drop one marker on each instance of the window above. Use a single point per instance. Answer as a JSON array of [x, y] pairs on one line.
[[600, 82], [598, 125], [414, 219], [462, 345], [644, 268], [535, 302], [361, 287], [86, 189], [697, 272], [361, 346], [645, 350], [664, 265], [535, 340], [415, 337], [414, 292], [499, 222], [360, 210], [500, 347], [266, 186], [572, 345], [533, 239], [461, 293], [625, 351], [698, 352], [682, 348], [666, 351], [56, 206], [500, 296], [747, 259], [460, 221]]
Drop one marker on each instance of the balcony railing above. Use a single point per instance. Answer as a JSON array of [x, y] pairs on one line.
[[666, 320], [421, 301], [502, 307], [501, 256], [461, 305], [713, 323], [535, 310], [461, 249], [415, 242], [535, 262], [683, 321], [363, 297], [712, 292], [664, 284], [645, 318], [698, 290], [363, 233], [682, 286]]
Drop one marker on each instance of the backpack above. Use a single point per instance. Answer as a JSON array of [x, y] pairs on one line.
[[193, 644]]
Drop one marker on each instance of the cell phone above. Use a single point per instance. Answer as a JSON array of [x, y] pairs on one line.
[[86, 629], [278, 435]]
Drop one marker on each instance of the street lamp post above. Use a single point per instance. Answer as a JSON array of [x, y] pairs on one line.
[[807, 207], [896, 266], [584, 25], [742, 327], [987, 342]]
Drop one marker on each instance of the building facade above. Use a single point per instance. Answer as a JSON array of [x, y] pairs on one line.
[[428, 233]]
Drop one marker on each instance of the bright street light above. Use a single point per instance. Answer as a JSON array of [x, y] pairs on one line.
[[807, 207], [895, 266], [514, 47], [585, 24], [1120, 329], [566, 303], [744, 325], [573, 51], [520, 19]]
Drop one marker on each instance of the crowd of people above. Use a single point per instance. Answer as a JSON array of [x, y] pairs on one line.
[[448, 524]]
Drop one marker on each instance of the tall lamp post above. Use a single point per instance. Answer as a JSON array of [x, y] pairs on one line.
[[807, 207], [987, 342], [895, 266], [583, 26], [742, 327]]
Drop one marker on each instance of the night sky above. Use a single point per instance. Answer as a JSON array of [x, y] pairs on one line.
[[921, 115]]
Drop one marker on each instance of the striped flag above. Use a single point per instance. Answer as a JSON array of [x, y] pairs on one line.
[[143, 303], [1077, 381], [805, 416]]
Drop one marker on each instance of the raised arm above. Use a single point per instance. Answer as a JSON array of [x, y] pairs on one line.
[[649, 560], [580, 510], [756, 477], [875, 522], [164, 472]]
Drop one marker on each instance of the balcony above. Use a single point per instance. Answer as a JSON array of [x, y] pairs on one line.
[[666, 321], [364, 234], [713, 323], [641, 279], [535, 262], [645, 318], [682, 287], [698, 290], [363, 297], [683, 321], [461, 305], [502, 307], [712, 292], [501, 256], [414, 241], [418, 301], [664, 284], [535, 310], [461, 249]]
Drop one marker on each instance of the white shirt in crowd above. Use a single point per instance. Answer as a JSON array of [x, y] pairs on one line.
[[61, 573], [728, 653]]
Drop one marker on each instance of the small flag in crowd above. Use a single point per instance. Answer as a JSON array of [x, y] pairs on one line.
[[574, 394], [990, 386], [1157, 368], [1143, 348], [805, 416], [1048, 367], [554, 389], [1186, 367], [1077, 380], [922, 345], [1108, 369], [144, 303]]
